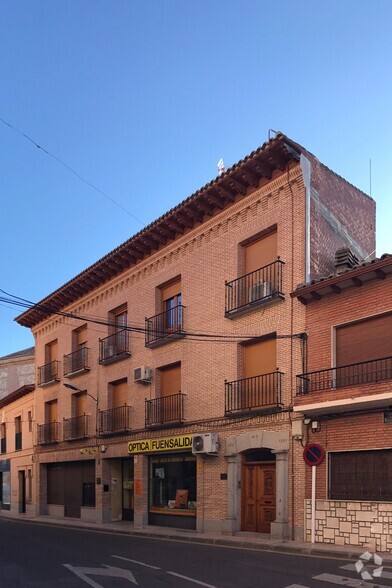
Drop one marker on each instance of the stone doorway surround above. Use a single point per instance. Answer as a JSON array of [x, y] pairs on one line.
[[278, 442]]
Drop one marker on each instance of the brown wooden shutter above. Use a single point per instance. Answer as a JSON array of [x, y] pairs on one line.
[[260, 358], [364, 340], [261, 253], [119, 394], [51, 411], [170, 380], [80, 404], [173, 289]]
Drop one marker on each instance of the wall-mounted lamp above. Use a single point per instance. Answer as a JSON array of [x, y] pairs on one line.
[[315, 426], [103, 448], [76, 389]]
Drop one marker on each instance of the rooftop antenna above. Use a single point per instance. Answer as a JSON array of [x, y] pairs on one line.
[[271, 131], [221, 167]]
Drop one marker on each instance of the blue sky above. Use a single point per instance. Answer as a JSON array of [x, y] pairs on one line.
[[143, 97]]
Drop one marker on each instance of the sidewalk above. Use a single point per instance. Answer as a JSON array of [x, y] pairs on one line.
[[240, 540]]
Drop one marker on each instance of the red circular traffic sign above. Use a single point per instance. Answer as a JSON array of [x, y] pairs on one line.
[[314, 454]]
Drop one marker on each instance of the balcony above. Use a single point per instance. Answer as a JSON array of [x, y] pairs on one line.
[[48, 433], [18, 441], [76, 427], [3, 445], [165, 410], [114, 420], [165, 327], [258, 393], [48, 373], [114, 347], [76, 362], [254, 289], [356, 374]]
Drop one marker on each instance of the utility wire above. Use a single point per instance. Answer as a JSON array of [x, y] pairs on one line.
[[211, 337], [69, 168]]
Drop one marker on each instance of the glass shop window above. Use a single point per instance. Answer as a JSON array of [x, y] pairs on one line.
[[173, 484]]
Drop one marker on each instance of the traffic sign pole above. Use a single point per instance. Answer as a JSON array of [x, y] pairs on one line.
[[313, 527]]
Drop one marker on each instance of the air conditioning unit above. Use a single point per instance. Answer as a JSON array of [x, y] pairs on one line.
[[259, 291], [108, 351], [142, 374], [206, 443]]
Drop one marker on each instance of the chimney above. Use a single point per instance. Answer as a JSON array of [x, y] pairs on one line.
[[345, 259]]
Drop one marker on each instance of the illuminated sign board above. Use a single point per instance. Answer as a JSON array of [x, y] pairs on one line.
[[180, 442]]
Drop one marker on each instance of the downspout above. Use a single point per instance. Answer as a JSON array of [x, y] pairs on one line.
[[306, 171]]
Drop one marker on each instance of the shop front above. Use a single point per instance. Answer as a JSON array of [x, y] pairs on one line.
[[171, 480], [5, 484]]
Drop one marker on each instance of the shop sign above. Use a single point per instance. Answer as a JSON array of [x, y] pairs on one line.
[[163, 444]]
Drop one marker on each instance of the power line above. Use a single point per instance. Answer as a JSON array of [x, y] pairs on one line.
[[193, 336], [69, 168]]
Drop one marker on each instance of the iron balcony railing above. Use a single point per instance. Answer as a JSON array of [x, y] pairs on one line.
[[355, 374], [255, 393], [48, 373], [169, 323], [48, 433], [3, 445], [114, 347], [167, 409], [259, 286], [76, 427], [76, 361], [18, 441], [114, 420]]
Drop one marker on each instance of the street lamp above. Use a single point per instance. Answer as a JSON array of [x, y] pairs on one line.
[[76, 389]]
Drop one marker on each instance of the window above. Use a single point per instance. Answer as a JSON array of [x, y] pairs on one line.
[[366, 347], [30, 420], [120, 323], [173, 484], [18, 433], [360, 475], [3, 434], [260, 253], [171, 305]]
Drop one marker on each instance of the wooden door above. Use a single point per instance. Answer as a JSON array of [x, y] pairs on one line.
[[258, 497]]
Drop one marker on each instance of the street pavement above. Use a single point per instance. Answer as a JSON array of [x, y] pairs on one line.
[[46, 555]]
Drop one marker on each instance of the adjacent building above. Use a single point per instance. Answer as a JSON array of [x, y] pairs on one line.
[[166, 370], [345, 396], [16, 432]]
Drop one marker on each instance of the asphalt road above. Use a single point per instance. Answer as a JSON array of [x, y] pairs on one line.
[[34, 555]]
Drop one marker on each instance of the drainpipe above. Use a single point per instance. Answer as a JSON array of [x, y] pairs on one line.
[[306, 171]]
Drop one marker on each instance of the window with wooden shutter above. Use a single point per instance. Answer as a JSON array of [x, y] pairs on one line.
[[359, 345], [261, 252]]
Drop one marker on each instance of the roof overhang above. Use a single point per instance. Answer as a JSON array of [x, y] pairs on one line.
[[377, 269], [19, 393], [349, 405]]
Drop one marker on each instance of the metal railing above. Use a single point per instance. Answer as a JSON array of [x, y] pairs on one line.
[[48, 373], [355, 374], [18, 441], [76, 427], [114, 346], [167, 409], [114, 420], [76, 361], [257, 392], [48, 433], [260, 285], [165, 324]]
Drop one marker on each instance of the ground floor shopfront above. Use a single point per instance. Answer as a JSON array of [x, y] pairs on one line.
[[165, 480], [16, 485]]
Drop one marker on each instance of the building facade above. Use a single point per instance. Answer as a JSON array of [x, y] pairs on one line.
[[166, 371], [346, 398]]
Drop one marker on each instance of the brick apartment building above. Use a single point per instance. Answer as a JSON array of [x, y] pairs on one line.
[[180, 349], [346, 396]]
